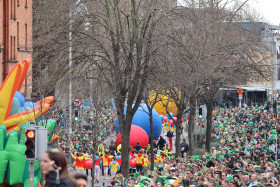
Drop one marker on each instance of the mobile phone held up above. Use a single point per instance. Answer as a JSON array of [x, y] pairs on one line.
[[55, 166]]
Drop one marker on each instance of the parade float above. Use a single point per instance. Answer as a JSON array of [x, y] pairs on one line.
[[15, 116]]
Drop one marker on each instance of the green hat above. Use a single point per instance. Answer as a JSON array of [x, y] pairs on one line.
[[136, 174], [229, 177], [195, 157], [251, 123], [238, 170], [160, 181], [144, 178], [273, 131], [208, 157], [258, 171], [189, 164]]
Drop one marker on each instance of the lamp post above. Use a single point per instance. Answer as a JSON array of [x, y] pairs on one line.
[[78, 7]]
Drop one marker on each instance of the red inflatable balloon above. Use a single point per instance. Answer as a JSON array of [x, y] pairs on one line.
[[132, 163], [165, 119], [175, 119], [136, 134], [88, 164], [171, 122]]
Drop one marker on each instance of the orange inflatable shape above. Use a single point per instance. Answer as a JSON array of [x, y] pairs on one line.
[[13, 83]]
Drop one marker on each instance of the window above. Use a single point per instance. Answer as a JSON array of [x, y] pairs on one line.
[[11, 48], [25, 44], [12, 9], [17, 34], [14, 48], [18, 3], [15, 8], [26, 4]]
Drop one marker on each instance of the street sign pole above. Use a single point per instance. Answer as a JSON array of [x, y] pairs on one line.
[[240, 98], [31, 164], [240, 91], [31, 173]]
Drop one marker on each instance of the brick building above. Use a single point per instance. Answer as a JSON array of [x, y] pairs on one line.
[[15, 37]]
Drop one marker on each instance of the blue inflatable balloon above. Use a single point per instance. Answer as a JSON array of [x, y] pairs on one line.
[[161, 117], [171, 116], [15, 106], [20, 98], [30, 104], [141, 119]]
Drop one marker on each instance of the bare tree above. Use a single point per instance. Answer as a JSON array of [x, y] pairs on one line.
[[215, 48], [124, 46]]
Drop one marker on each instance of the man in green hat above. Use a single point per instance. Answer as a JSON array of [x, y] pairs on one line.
[[159, 182], [272, 140]]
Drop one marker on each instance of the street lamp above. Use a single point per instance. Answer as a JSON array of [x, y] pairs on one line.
[[80, 8]]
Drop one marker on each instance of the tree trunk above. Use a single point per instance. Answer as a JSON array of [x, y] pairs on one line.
[[125, 127], [152, 140], [209, 105], [125, 139], [191, 126], [178, 132]]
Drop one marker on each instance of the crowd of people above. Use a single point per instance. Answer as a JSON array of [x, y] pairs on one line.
[[247, 154]]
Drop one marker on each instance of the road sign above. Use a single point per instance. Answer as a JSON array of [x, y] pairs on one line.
[[77, 102], [63, 122], [240, 91], [85, 102]]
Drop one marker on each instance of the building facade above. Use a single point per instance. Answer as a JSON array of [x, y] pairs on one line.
[[15, 38], [257, 88]]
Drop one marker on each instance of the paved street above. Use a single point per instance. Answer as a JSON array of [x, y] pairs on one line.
[[101, 179]]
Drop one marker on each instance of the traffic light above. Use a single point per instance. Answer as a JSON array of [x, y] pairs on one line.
[[30, 143], [76, 116], [200, 112]]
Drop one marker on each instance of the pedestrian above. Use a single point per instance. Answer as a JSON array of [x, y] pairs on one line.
[[114, 167], [81, 179], [138, 146], [98, 163], [55, 170], [161, 143], [139, 161], [184, 147], [170, 135]]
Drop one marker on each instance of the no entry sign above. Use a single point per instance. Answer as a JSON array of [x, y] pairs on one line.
[[77, 102]]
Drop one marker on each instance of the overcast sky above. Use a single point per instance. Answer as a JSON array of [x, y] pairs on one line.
[[268, 9]]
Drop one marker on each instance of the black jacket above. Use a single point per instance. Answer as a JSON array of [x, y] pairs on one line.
[[161, 143], [184, 147], [169, 134], [51, 181], [137, 147]]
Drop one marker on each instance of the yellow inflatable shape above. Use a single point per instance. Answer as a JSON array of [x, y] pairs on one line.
[[119, 147], [163, 103], [7, 92]]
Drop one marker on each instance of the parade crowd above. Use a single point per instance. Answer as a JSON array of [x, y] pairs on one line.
[[247, 153]]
